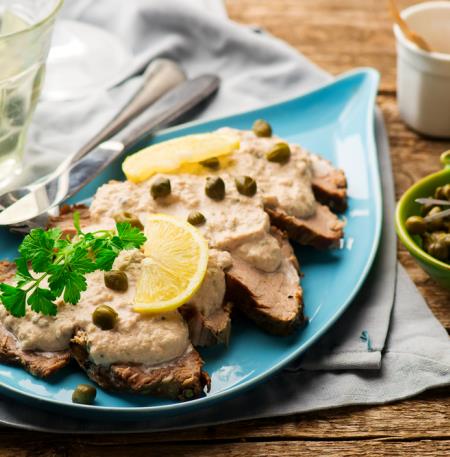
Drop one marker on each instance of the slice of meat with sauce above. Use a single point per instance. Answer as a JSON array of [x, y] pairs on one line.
[[322, 230], [40, 364], [291, 190], [203, 330], [329, 184], [181, 379], [274, 301]]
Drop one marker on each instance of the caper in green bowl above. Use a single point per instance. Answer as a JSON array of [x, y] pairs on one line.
[[407, 207]]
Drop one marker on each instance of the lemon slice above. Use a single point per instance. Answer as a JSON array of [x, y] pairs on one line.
[[176, 257], [170, 155]]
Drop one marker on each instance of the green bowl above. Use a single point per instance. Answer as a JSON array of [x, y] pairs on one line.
[[439, 271]]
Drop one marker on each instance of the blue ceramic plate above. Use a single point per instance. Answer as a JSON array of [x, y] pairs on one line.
[[336, 121]]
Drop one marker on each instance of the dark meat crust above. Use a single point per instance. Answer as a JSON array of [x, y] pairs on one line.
[[274, 301], [40, 364], [208, 331], [329, 184], [323, 230], [182, 379]]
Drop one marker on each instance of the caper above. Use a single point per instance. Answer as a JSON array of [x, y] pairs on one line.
[[125, 216], [416, 225], [434, 224], [215, 188], [160, 187], [84, 394], [434, 210], [196, 218], [212, 163], [438, 250], [279, 153], [438, 193], [116, 280], [104, 317], [246, 185], [446, 192], [438, 235], [262, 128]]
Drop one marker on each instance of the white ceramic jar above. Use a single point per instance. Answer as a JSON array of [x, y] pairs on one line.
[[423, 78]]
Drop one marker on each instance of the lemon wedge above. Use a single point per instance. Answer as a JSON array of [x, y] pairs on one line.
[[170, 155], [176, 257]]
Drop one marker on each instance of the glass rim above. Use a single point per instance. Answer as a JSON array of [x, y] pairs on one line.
[[43, 21]]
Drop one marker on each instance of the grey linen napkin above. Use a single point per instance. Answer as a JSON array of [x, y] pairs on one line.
[[381, 349]]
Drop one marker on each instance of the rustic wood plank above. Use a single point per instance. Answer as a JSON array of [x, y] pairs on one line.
[[267, 449], [272, 449]]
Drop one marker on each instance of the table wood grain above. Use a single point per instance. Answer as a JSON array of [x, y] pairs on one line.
[[338, 35]]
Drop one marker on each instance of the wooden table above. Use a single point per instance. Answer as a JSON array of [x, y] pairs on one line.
[[338, 35]]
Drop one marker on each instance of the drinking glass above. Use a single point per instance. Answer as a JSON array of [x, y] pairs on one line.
[[25, 34]]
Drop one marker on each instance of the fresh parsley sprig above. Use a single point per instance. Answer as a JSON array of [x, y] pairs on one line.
[[64, 263]]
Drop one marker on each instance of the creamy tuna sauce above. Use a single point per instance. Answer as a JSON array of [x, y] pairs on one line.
[[209, 298], [286, 186], [235, 223]]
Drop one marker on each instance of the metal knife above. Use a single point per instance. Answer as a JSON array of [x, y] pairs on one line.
[[34, 208]]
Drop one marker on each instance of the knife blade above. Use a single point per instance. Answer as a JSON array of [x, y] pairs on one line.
[[172, 106]]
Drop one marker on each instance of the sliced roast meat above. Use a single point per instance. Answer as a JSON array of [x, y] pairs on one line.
[[40, 364], [180, 379], [208, 330], [329, 184], [274, 301], [203, 330], [323, 230], [291, 190]]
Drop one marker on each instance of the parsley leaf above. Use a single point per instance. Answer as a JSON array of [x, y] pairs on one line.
[[67, 281], [13, 299], [79, 260], [57, 278], [129, 236], [104, 259], [75, 284], [41, 301], [22, 271], [38, 247]]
